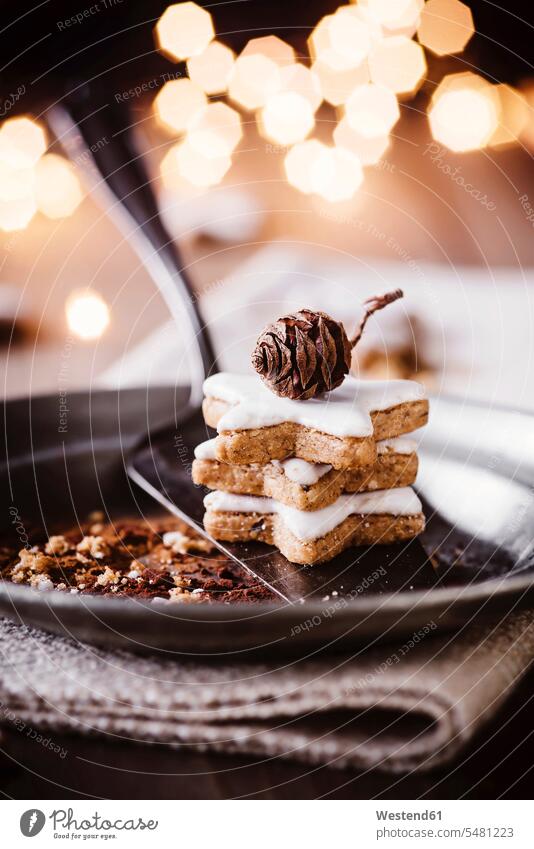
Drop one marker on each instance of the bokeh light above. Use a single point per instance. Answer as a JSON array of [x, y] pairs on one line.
[[200, 170], [15, 183], [286, 118], [273, 48], [17, 214], [211, 69], [169, 171], [302, 80], [215, 131], [445, 27], [299, 163], [22, 142], [337, 86], [343, 40], [177, 103], [57, 189], [184, 30], [527, 134], [513, 117], [319, 40], [398, 63], [352, 35], [372, 110], [334, 174], [368, 149], [87, 314], [464, 112], [399, 17], [253, 80]]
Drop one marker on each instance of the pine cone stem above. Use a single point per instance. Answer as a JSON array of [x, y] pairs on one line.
[[377, 302]]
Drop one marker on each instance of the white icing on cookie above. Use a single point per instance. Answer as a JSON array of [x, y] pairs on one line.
[[302, 472], [396, 445], [206, 450], [344, 412], [305, 525]]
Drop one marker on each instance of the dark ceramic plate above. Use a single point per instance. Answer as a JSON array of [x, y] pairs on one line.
[[475, 558]]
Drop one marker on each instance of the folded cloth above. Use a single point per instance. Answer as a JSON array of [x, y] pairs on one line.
[[396, 708]]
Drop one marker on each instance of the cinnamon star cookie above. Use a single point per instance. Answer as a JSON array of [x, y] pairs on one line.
[[339, 428], [304, 485]]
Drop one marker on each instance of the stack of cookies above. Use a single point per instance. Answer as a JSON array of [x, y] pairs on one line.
[[312, 477]]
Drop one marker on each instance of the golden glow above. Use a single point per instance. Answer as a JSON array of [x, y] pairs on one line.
[[464, 112], [446, 26], [513, 117], [15, 183], [333, 173], [22, 142], [337, 86], [372, 110], [399, 64], [177, 104], [301, 80], [17, 214], [253, 80], [272, 48], [87, 314], [368, 149], [396, 17], [57, 188], [286, 118], [215, 131], [184, 30], [198, 169], [211, 69]]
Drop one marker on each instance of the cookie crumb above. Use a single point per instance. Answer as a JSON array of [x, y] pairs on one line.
[[93, 546], [182, 544], [57, 545], [139, 565], [96, 516], [178, 595], [41, 583], [108, 576]]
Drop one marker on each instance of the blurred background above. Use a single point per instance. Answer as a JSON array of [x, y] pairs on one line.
[[302, 154]]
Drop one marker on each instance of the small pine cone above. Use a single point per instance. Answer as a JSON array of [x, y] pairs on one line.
[[303, 355]]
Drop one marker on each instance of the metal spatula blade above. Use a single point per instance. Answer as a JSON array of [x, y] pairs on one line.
[[162, 467]]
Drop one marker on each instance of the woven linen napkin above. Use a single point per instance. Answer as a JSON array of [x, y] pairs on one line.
[[398, 707]]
